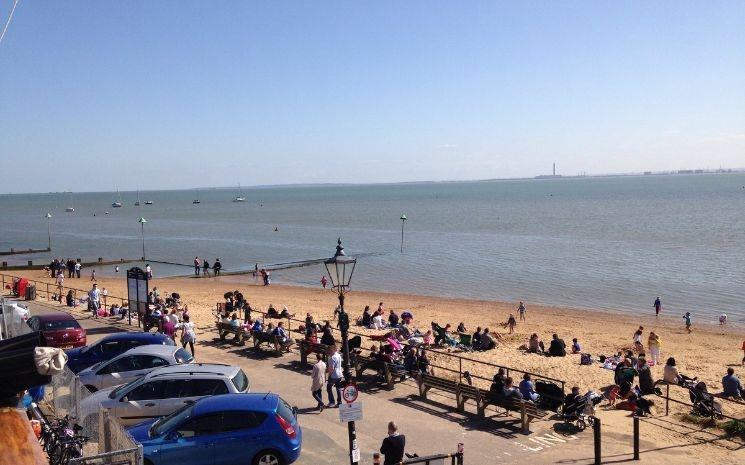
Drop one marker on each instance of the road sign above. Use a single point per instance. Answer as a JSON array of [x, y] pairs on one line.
[[350, 412], [350, 393]]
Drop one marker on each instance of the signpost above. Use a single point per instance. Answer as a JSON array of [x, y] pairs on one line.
[[137, 290], [351, 411]]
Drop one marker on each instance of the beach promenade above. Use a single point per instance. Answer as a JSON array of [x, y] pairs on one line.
[[434, 426]]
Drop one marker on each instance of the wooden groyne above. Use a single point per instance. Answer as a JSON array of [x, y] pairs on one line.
[[13, 251]]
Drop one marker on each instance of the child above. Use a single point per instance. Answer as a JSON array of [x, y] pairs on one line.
[[723, 319], [575, 346], [613, 394], [687, 318]]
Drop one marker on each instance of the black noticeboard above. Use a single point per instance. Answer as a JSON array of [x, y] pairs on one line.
[[137, 290]]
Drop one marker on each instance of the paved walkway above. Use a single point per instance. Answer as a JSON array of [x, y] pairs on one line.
[[430, 427]]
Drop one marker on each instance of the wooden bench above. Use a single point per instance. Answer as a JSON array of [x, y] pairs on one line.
[[307, 348], [224, 329], [272, 340], [389, 372], [464, 392]]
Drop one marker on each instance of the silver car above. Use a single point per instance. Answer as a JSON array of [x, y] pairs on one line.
[[164, 390], [131, 365]]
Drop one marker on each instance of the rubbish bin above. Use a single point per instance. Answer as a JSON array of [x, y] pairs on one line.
[[31, 292]]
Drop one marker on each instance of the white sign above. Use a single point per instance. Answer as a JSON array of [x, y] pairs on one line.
[[355, 455], [349, 393], [350, 412]]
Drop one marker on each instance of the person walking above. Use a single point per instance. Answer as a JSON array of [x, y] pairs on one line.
[[206, 268], [148, 271], [654, 344], [657, 306], [188, 334], [335, 376], [94, 300], [521, 311], [216, 267], [60, 281], [393, 446], [688, 322], [197, 266], [93, 276], [78, 266], [324, 281], [318, 379]]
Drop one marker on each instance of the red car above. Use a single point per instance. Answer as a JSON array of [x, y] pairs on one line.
[[59, 329]]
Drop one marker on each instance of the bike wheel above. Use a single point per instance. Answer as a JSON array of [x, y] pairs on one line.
[[581, 425]]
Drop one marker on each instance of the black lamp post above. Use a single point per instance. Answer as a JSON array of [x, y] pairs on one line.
[[340, 268]]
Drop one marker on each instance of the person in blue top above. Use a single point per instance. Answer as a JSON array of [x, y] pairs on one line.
[[732, 385], [657, 306], [257, 327], [527, 389], [687, 318]]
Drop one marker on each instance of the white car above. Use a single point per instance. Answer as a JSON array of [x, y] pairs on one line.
[[165, 390], [131, 365]]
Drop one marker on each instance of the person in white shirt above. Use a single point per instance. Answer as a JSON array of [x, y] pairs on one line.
[[60, 281], [78, 267], [335, 376], [377, 321], [318, 379], [94, 300]]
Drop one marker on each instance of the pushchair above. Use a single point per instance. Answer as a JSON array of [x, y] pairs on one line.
[[704, 404], [581, 412]]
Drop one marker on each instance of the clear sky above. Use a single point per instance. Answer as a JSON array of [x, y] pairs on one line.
[[170, 94]]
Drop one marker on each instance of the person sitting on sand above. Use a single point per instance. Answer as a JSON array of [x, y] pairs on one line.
[[70, 299], [575, 346], [462, 328], [393, 319], [366, 319], [377, 321], [429, 338], [646, 383], [487, 340], [732, 387], [534, 344], [558, 347], [511, 323], [476, 339], [527, 389], [271, 312]]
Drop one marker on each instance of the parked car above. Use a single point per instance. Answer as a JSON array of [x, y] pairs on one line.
[[59, 329], [231, 429], [111, 346], [131, 365], [164, 390]]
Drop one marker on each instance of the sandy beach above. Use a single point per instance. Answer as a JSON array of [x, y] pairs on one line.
[[706, 352]]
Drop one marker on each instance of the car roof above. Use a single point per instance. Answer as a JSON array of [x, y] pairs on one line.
[[190, 369], [129, 336], [248, 401], [151, 349], [55, 316]]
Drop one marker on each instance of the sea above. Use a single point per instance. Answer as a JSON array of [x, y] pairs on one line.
[[607, 243]]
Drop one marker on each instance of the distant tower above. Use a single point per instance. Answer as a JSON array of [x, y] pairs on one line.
[[554, 169]]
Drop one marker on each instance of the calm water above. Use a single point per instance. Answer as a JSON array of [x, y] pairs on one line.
[[612, 243]]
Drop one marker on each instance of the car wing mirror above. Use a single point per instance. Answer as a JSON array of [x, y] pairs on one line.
[[294, 411], [174, 436], [125, 399]]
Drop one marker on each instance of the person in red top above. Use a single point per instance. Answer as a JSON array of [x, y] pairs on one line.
[[743, 352]]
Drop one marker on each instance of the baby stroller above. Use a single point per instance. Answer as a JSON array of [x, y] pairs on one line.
[[704, 404], [581, 412]]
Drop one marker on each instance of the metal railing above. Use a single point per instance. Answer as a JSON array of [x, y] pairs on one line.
[[731, 403], [52, 289]]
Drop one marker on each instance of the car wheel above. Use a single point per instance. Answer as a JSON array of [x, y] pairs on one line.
[[268, 457], [91, 388]]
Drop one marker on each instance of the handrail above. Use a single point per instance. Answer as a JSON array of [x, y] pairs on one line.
[[669, 399]]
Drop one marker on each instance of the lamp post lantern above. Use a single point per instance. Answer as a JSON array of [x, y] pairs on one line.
[[340, 268], [48, 216], [142, 222], [403, 220]]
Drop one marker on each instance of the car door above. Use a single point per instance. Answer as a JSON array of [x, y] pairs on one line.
[[141, 403], [194, 441], [115, 372], [239, 430]]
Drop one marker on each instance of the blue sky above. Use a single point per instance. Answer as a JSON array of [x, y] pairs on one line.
[[169, 94]]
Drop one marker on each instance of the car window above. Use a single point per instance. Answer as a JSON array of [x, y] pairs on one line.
[[240, 381], [183, 356], [234, 421], [118, 366], [109, 347], [201, 426], [33, 323], [143, 362], [60, 324], [148, 391], [208, 387]]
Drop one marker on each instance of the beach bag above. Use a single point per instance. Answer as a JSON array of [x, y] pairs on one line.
[[585, 359], [551, 395]]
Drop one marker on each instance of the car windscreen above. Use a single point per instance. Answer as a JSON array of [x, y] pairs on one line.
[[183, 356], [169, 422], [240, 381], [123, 388], [60, 324]]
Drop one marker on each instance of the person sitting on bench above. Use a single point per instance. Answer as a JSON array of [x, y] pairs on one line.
[[283, 339], [510, 391], [328, 337], [496, 390], [234, 321], [558, 347], [257, 326]]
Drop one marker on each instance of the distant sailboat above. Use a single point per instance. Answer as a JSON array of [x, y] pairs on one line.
[[240, 197], [137, 204], [117, 204], [195, 201], [71, 208], [149, 202]]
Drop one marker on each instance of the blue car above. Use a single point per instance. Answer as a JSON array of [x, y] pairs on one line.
[[111, 346], [229, 429]]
